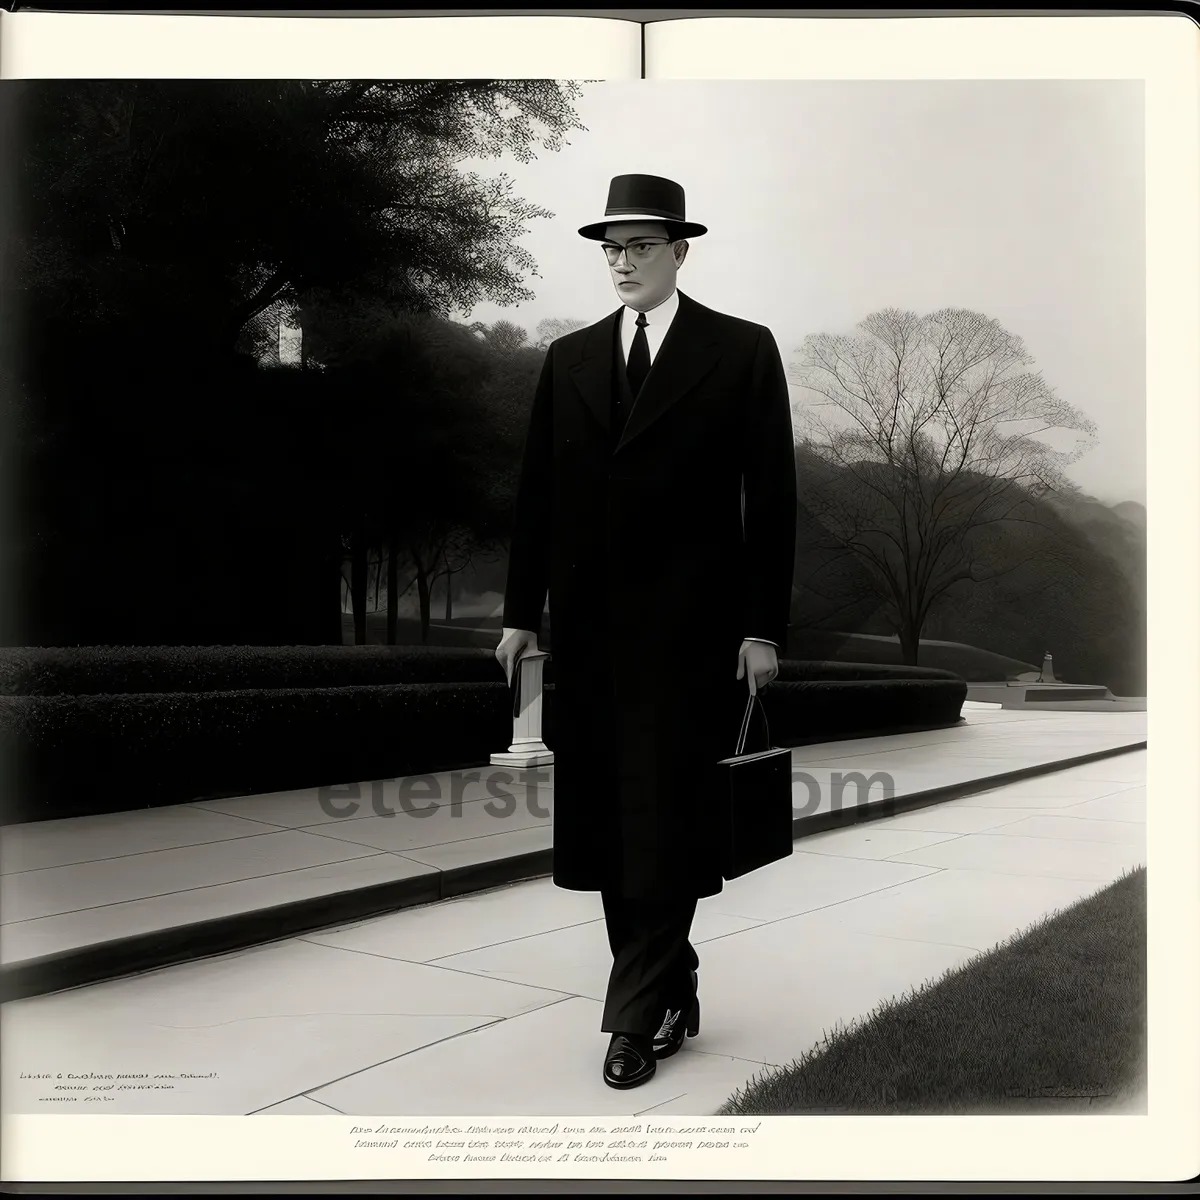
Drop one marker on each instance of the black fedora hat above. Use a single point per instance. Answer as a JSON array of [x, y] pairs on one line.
[[645, 198]]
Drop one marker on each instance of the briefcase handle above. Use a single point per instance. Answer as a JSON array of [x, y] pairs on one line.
[[750, 703]]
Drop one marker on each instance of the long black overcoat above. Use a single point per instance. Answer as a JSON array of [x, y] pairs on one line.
[[660, 547]]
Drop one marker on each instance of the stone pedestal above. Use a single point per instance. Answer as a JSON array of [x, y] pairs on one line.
[[527, 749]]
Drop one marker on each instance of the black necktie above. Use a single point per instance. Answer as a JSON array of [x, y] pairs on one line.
[[638, 366]]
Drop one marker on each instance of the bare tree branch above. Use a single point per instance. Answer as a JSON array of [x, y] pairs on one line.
[[934, 429]]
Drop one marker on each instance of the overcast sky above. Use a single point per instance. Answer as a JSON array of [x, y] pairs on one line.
[[826, 201]]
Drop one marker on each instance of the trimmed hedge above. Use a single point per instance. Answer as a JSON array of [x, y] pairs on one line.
[[65, 756], [818, 710], [796, 671], [109, 670], [99, 729], [97, 670], [815, 710], [971, 663]]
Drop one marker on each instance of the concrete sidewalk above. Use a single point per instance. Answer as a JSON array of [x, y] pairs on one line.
[[93, 898], [490, 1003]]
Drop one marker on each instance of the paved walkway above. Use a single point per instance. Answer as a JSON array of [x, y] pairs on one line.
[[490, 1003], [89, 898]]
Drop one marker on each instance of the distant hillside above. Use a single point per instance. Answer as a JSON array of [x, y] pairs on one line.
[[1117, 530], [1085, 604], [1132, 511]]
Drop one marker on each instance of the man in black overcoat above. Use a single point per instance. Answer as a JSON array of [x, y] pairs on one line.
[[656, 511]]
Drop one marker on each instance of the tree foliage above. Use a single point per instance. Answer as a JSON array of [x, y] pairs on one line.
[[423, 462], [505, 337], [156, 233], [552, 328], [218, 200]]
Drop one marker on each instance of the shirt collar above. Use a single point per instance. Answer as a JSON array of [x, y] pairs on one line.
[[662, 315]]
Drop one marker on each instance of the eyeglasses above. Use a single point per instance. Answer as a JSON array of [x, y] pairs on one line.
[[639, 250]]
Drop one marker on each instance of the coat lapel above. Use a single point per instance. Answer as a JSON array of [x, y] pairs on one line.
[[688, 353], [593, 373]]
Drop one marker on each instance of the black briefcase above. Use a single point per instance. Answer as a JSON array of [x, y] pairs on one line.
[[756, 799]]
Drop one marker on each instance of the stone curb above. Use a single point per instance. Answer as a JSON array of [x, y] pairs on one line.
[[166, 947]]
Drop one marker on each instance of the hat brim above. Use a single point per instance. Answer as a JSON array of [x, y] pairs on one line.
[[598, 232]]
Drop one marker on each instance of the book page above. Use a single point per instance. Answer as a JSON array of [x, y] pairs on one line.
[[1119, 47], [799, 243], [41, 45], [877, 174]]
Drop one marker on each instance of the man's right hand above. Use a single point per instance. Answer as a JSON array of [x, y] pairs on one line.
[[513, 644]]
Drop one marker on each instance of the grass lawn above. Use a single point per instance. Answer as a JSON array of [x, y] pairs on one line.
[[1053, 1020]]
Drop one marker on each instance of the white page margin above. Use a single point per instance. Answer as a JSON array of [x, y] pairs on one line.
[[130, 46]]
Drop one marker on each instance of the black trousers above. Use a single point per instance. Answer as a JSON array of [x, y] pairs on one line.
[[652, 962]]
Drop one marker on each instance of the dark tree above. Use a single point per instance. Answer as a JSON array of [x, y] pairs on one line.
[[423, 462], [165, 486]]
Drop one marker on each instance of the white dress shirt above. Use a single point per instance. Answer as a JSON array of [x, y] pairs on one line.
[[658, 321]]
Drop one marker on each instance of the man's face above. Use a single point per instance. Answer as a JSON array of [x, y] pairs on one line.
[[644, 275]]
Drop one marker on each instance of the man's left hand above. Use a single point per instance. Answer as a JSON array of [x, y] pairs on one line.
[[761, 659]]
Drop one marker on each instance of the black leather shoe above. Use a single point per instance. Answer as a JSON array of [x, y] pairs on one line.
[[669, 1038], [630, 1060]]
